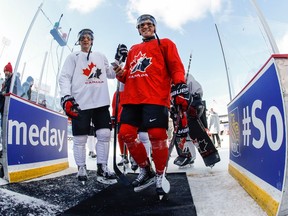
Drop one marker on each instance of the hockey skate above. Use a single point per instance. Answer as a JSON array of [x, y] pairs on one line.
[[145, 178], [184, 161], [92, 154], [162, 185], [82, 174], [105, 176], [134, 165], [123, 161]]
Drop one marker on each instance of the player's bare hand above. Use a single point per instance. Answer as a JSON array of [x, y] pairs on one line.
[[118, 70]]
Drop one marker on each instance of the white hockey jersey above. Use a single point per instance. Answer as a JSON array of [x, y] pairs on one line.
[[194, 86], [86, 80]]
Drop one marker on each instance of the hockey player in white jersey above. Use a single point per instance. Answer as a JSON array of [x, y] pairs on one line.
[[85, 98], [185, 148]]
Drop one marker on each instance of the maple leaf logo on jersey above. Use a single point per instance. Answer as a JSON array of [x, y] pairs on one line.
[[88, 71], [202, 147], [140, 63]]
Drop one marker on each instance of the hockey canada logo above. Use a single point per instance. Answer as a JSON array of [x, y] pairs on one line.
[[140, 63], [89, 71], [234, 131], [202, 148]]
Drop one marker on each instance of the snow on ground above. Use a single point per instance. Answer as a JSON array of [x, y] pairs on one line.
[[215, 192]]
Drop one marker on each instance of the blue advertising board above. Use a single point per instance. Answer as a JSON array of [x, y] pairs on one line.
[[257, 128], [34, 134]]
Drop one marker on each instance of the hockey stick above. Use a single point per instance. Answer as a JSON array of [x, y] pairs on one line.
[[125, 156], [189, 64], [165, 182], [120, 175]]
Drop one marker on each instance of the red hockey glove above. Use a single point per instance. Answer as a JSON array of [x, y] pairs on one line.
[[197, 107], [183, 127], [192, 111], [70, 107], [181, 143], [181, 96]]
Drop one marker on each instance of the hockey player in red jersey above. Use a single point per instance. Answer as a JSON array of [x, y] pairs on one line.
[[150, 68]]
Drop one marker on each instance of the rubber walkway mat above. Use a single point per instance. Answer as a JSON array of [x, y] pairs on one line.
[[48, 196], [122, 200]]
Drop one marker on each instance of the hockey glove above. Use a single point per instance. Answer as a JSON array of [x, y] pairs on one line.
[[121, 53], [183, 127], [181, 142], [70, 107], [173, 112], [197, 107], [181, 96]]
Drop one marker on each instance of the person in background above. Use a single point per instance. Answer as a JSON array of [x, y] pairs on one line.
[[185, 149], [85, 97], [214, 127], [8, 71], [27, 88], [150, 68], [142, 133], [18, 84], [1, 80], [43, 103], [5, 88], [122, 147]]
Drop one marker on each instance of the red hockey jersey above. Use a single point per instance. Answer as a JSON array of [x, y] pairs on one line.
[[149, 71]]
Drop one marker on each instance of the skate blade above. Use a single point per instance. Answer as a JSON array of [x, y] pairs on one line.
[[82, 179], [185, 167], [142, 187], [165, 185], [106, 181]]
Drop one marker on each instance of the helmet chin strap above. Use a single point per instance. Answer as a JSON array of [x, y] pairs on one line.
[[150, 38], [157, 38], [89, 53]]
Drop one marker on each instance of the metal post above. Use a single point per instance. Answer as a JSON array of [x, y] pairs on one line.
[[227, 74], [22, 47], [23, 70], [58, 71], [40, 79], [266, 28]]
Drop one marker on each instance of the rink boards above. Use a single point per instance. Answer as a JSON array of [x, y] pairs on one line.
[[34, 140], [258, 136]]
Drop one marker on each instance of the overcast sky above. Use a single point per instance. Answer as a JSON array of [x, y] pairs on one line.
[[189, 23]]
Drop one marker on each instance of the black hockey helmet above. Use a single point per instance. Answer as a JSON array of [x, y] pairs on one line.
[[81, 34], [141, 19], [85, 31]]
